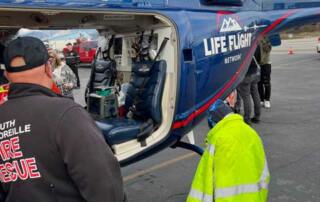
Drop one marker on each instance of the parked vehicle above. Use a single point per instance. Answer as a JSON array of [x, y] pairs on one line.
[[87, 51]]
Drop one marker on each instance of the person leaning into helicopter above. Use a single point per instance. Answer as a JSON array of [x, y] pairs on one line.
[[233, 167]]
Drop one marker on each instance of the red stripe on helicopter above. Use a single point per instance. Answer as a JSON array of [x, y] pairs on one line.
[[185, 122]]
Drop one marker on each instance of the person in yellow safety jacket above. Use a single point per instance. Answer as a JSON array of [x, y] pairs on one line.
[[233, 167]]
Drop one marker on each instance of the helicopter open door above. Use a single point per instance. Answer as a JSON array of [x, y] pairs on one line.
[[151, 83], [144, 113]]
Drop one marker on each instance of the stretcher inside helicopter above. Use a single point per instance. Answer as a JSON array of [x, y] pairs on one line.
[[133, 83]]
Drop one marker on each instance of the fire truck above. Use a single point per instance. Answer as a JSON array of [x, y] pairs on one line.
[[86, 50]]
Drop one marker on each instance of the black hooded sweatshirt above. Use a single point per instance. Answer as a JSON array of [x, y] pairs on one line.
[[52, 151]]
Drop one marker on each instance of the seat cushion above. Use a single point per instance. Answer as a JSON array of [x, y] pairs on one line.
[[117, 131]]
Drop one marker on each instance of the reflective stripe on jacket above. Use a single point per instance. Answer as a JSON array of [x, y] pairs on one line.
[[233, 167]]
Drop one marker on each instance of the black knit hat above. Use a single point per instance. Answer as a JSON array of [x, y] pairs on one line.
[[31, 49], [217, 112]]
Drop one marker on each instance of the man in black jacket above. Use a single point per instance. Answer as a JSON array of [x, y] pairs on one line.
[[73, 59], [50, 148]]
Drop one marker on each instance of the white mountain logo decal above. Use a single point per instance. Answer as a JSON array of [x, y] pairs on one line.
[[230, 25]]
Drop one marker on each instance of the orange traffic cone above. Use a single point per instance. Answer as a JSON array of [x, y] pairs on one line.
[[290, 52]]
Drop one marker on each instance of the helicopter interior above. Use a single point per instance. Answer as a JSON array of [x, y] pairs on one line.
[[132, 88]]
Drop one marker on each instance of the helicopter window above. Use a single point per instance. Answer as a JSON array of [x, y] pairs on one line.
[[187, 55], [118, 46]]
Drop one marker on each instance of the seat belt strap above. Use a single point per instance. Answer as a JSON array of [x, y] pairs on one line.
[[162, 46], [106, 54]]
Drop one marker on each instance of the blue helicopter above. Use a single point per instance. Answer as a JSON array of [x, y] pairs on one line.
[[177, 57]]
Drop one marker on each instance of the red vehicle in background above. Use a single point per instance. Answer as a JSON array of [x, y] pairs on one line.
[[86, 50], [3, 93]]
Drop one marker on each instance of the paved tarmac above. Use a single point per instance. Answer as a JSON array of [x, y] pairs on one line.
[[290, 131]]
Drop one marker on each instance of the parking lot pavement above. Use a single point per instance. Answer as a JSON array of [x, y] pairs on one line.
[[289, 130]]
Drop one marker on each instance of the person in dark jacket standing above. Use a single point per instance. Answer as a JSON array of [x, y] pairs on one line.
[[265, 82], [72, 59], [249, 88], [50, 148]]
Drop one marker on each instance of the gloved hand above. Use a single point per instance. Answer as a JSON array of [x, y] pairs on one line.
[[217, 112]]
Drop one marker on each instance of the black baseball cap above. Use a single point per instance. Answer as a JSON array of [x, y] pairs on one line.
[[31, 49]]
